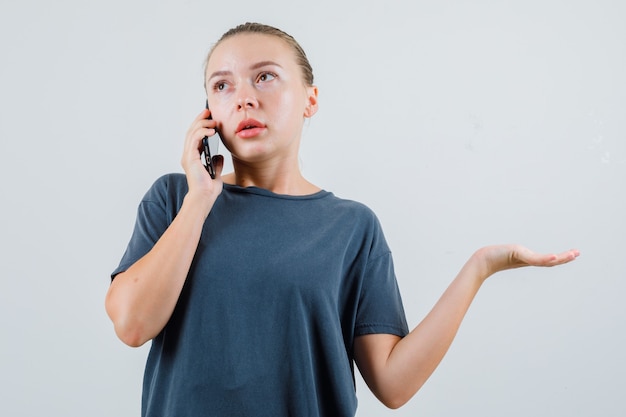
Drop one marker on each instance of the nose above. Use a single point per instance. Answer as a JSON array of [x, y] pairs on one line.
[[247, 102], [247, 99]]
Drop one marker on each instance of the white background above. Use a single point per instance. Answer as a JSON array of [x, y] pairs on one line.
[[461, 123]]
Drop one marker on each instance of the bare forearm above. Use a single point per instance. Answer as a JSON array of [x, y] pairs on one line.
[[417, 355], [414, 358], [140, 300]]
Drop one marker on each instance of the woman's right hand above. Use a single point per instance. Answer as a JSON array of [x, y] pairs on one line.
[[198, 179]]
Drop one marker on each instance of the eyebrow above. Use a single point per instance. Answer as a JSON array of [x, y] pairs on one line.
[[264, 64], [254, 66]]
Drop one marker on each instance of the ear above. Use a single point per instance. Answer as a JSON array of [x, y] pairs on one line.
[[311, 105]]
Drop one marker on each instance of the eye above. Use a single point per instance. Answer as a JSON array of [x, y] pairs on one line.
[[265, 77], [219, 86]]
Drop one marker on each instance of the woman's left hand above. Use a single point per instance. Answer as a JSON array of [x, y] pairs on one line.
[[502, 257]]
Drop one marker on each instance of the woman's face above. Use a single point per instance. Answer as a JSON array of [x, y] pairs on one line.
[[257, 96]]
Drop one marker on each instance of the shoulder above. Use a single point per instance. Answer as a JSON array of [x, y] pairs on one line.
[[354, 208], [354, 217], [167, 192], [167, 185]]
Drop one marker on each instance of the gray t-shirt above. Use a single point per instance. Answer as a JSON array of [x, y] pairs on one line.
[[279, 288]]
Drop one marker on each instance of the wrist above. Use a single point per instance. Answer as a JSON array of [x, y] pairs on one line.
[[199, 203], [480, 264]]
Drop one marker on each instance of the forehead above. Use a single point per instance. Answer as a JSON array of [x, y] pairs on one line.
[[249, 48]]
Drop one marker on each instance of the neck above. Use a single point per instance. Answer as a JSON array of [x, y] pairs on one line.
[[279, 179]]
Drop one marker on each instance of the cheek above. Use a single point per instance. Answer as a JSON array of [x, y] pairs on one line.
[[289, 109], [225, 144]]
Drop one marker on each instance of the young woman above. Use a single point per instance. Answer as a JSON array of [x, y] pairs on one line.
[[258, 289]]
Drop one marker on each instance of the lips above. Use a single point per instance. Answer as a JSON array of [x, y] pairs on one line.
[[249, 128]]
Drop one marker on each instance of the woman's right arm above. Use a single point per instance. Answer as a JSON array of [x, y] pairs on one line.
[[141, 299]]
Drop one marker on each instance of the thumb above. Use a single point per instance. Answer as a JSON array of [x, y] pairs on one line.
[[218, 164]]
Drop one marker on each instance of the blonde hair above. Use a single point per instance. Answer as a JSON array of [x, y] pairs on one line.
[[249, 27]]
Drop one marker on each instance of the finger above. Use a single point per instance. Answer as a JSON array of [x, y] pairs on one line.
[[556, 259], [566, 257], [193, 144], [201, 121], [521, 256], [201, 134], [204, 114], [193, 141]]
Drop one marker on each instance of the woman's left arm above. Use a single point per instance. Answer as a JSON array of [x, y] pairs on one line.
[[396, 368]]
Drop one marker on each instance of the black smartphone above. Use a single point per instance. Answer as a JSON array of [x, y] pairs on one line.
[[210, 145]]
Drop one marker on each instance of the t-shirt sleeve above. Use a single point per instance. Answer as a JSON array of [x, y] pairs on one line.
[[151, 222], [380, 308]]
